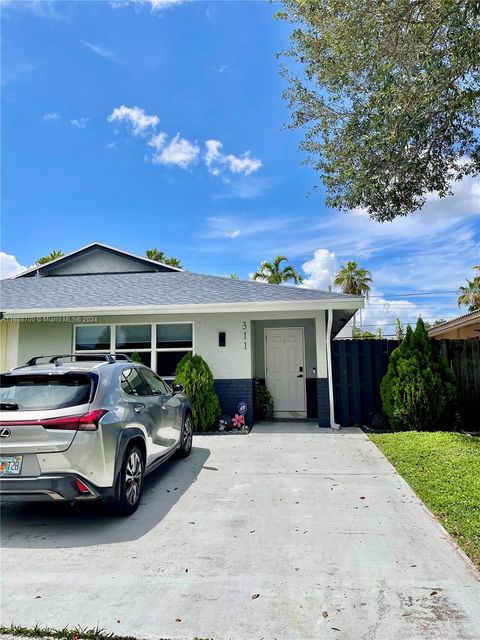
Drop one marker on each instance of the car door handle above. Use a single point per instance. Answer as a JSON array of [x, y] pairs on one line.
[[300, 375], [139, 408]]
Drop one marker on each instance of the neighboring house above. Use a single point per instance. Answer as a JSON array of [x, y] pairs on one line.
[[463, 327], [102, 299]]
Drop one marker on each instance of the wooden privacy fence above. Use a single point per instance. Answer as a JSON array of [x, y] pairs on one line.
[[464, 359], [359, 366]]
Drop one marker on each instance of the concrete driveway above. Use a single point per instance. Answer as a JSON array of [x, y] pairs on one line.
[[317, 523]]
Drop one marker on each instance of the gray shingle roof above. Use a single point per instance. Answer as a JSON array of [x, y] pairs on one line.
[[137, 289]]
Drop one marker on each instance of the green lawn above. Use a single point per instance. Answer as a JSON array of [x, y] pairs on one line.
[[444, 470]]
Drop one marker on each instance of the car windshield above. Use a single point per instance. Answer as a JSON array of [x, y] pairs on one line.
[[43, 391]]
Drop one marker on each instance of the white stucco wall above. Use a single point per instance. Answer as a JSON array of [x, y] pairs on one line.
[[9, 335], [43, 338], [234, 361]]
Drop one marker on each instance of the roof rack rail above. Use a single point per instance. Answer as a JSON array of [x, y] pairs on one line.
[[53, 359]]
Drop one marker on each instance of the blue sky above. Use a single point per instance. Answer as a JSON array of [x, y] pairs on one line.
[[149, 124]]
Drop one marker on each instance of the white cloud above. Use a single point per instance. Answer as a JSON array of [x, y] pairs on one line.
[[110, 145], [80, 123], [320, 270], [216, 160], [178, 151], [182, 152], [51, 116], [100, 51], [9, 266], [156, 5], [233, 234], [40, 8], [136, 117]]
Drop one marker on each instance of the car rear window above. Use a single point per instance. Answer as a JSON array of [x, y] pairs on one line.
[[42, 391]]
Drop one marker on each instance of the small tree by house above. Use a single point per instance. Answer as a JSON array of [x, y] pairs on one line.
[[419, 388], [197, 379], [399, 329]]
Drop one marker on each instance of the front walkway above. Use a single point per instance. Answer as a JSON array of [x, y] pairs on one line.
[[316, 523]]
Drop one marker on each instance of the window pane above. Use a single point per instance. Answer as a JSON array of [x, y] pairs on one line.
[[92, 337], [133, 336], [174, 335], [145, 357], [167, 362], [133, 384], [155, 385]]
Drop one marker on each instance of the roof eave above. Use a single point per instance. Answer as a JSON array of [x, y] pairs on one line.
[[224, 307], [462, 321]]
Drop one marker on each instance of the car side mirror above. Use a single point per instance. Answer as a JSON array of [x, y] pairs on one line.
[[177, 388]]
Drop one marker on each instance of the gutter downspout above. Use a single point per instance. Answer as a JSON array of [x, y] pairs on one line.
[[333, 424]]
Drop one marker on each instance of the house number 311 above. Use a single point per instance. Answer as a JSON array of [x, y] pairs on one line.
[[245, 335]]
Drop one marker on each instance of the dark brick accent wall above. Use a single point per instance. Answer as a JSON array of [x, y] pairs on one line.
[[312, 400], [231, 392], [323, 402]]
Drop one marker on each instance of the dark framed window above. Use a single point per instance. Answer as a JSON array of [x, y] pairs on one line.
[[92, 337], [175, 336], [133, 336], [167, 362]]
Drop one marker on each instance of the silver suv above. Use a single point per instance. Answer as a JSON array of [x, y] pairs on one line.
[[87, 428]]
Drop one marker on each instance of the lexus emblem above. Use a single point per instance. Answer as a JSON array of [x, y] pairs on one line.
[[5, 433]]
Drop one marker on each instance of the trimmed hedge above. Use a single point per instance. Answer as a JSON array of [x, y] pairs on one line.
[[197, 379]]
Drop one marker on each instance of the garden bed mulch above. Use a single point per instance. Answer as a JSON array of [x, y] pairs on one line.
[[233, 432]]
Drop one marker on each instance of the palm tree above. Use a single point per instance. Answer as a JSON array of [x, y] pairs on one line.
[[160, 256], [354, 280], [469, 296], [53, 255], [274, 273]]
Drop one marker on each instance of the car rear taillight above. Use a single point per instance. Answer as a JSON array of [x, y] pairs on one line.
[[81, 486], [87, 422]]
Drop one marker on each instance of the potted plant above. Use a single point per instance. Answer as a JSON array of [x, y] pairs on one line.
[[264, 402]]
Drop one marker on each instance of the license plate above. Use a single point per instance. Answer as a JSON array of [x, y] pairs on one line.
[[10, 465]]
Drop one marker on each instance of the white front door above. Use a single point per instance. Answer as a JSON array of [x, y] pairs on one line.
[[285, 368]]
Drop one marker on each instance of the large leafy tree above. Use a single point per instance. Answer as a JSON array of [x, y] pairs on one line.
[[389, 98], [161, 256], [275, 273], [469, 296], [53, 255]]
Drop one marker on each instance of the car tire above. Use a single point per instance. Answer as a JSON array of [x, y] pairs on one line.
[[186, 436], [129, 483]]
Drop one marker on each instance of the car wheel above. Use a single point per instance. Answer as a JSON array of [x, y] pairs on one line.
[[186, 437], [130, 483]]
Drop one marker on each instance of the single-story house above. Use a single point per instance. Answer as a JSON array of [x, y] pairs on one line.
[[461, 328], [102, 299]]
